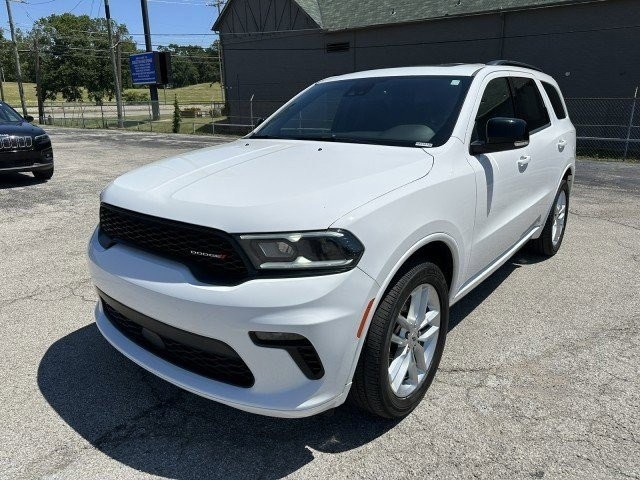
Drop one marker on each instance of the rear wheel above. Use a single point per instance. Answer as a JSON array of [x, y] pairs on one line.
[[404, 345], [550, 240], [43, 174]]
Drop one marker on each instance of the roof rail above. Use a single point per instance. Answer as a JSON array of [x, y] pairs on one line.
[[512, 63]]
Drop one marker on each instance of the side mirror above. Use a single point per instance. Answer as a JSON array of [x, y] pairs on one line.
[[28, 118], [502, 134]]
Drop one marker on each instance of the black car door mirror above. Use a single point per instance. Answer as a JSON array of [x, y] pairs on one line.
[[502, 134], [28, 118]]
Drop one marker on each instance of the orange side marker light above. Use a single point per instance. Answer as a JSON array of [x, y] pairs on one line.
[[363, 322]]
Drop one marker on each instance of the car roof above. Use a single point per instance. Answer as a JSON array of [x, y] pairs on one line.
[[454, 69]]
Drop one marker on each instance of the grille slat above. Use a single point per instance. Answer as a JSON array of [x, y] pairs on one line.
[[221, 264], [223, 368]]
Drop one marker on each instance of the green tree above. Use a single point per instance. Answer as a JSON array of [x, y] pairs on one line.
[[27, 56], [75, 56], [184, 72], [176, 115], [193, 64]]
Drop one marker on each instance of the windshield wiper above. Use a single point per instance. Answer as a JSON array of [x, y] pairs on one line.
[[319, 138], [311, 138]]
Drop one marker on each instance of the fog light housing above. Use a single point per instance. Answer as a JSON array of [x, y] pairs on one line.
[[277, 337], [301, 350]]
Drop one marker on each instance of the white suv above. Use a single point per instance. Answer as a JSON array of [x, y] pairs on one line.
[[316, 259]]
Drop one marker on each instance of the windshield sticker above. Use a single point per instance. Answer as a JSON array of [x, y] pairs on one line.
[[423, 144], [455, 82]]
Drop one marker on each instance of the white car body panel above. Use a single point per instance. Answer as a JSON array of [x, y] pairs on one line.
[[395, 200], [267, 186]]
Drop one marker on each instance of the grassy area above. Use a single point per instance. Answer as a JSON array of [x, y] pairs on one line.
[[202, 92], [12, 97], [200, 125]]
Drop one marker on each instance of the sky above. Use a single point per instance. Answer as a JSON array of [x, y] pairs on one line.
[[171, 21]]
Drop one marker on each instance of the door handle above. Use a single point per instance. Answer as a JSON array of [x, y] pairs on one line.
[[524, 161], [561, 144]]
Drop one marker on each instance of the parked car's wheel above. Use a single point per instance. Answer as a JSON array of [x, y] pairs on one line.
[[404, 345], [550, 240], [43, 174]]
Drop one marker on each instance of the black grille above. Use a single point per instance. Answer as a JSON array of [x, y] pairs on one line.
[[217, 260], [223, 364], [18, 160], [16, 163], [312, 360]]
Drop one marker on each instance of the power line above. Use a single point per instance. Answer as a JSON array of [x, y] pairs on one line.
[[174, 2], [76, 6], [186, 34]]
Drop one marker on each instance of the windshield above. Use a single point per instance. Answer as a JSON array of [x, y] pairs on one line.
[[8, 114], [405, 111]]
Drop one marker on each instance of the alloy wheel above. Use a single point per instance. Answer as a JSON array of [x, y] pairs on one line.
[[559, 218], [414, 340]]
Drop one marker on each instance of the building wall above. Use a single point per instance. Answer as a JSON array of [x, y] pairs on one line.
[[591, 49]]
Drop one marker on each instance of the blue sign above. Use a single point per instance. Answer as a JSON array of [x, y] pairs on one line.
[[144, 69]]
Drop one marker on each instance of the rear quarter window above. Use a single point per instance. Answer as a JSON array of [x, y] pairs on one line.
[[556, 100], [528, 103]]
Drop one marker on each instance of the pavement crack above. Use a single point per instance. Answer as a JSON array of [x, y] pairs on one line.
[[596, 217], [124, 432], [72, 286]]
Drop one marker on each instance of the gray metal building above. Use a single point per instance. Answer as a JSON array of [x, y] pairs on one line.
[[274, 48]]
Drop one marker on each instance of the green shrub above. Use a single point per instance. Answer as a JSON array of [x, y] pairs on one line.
[[135, 96], [176, 115]]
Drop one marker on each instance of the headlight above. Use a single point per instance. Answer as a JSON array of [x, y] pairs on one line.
[[323, 250], [42, 138]]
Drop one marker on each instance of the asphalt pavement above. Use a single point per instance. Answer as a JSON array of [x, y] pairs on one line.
[[539, 377]]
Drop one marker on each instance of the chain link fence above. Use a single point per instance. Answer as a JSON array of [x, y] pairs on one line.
[[204, 118], [607, 128]]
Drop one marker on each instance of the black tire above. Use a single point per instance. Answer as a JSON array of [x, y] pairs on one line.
[[544, 244], [43, 174], [370, 389]]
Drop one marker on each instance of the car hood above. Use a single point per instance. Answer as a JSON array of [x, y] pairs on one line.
[[23, 128], [267, 185]]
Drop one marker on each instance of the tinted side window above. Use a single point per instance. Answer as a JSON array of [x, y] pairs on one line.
[[496, 102], [556, 101], [528, 103]]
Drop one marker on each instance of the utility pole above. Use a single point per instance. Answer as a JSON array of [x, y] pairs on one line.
[[17, 55], [116, 80], [220, 4], [41, 119], [2, 82], [119, 60], [153, 89]]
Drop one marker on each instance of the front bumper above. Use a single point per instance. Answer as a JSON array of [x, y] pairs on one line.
[[22, 161], [326, 310]]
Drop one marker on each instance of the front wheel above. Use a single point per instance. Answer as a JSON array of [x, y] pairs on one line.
[[404, 345], [550, 240]]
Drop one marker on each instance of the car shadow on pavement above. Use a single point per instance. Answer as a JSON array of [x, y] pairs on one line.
[[13, 180], [154, 427], [469, 302]]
